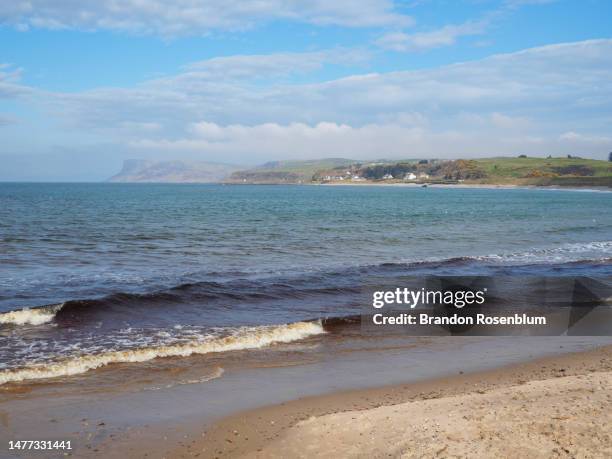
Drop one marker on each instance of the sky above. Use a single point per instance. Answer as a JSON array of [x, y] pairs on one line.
[[85, 84]]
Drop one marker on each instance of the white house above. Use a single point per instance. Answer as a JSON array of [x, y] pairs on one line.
[[423, 175], [387, 177], [410, 176]]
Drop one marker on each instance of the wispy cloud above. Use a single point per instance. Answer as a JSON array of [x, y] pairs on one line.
[[272, 65], [521, 101], [10, 77], [535, 101], [9, 73], [579, 138], [444, 36], [266, 141], [6, 120], [449, 34], [189, 17]]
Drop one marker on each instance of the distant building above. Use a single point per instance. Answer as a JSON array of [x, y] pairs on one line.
[[423, 175], [356, 178], [387, 177], [410, 176]]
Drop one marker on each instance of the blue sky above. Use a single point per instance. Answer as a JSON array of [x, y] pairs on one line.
[[86, 84]]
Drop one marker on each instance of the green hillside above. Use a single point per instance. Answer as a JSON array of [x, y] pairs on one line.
[[522, 167], [566, 171], [498, 171]]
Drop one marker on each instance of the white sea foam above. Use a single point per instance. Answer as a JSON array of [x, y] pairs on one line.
[[215, 374], [563, 253], [241, 338], [27, 316]]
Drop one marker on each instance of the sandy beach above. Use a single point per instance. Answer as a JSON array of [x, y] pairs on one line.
[[557, 406], [554, 417], [551, 407]]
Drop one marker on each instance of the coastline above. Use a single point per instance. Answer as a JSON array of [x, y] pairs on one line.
[[483, 186], [338, 419], [349, 419]]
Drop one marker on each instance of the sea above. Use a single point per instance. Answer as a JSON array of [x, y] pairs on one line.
[[100, 275]]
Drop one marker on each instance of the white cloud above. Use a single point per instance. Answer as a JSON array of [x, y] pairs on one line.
[[582, 138], [10, 77], [449, 34], [181, 17], [568, 74], [444, 36], [302, 141], [294, 140], [9, 73], [519, 102], [270, 65]]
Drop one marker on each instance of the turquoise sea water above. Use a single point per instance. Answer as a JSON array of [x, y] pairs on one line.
[[131, 266], [69, 241]]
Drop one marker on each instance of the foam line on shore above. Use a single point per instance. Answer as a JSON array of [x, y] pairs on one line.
[[242, 338]]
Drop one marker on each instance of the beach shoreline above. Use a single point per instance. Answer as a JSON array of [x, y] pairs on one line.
[[275, 431], [482, 186], [338, 419], [183, 317]]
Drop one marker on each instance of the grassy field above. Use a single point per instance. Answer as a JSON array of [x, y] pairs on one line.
[[546, 171], [521, 167]]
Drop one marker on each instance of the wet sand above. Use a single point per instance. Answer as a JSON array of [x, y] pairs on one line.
[[551, 407], [250, 406]]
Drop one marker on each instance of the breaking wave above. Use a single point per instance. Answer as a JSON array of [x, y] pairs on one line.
[[318, 284], [242, 338], [30, 316]]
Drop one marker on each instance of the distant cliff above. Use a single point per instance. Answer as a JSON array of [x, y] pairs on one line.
[[177, 171]]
